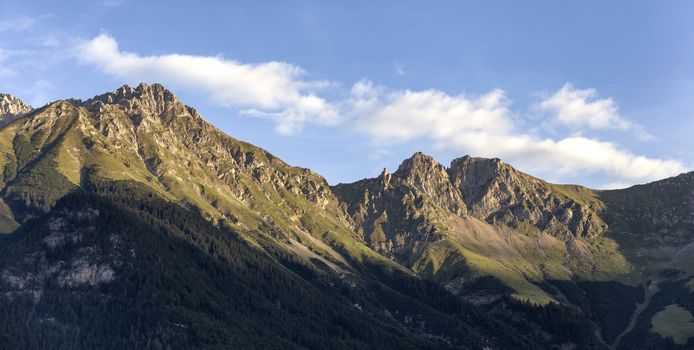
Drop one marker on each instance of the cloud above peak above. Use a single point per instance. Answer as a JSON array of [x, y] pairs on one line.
[[273, 90], [482, 124], [581, 108], [403, 114]]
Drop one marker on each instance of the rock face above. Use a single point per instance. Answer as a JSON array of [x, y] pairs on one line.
[[398, 213], [655, 222], [487, 189], [11, 108], [162, 128], [482, 217], [496, 192]]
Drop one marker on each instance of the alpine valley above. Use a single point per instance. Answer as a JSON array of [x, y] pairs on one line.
[[130, 222]]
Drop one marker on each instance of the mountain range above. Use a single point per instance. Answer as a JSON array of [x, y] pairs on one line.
[[129, 221]]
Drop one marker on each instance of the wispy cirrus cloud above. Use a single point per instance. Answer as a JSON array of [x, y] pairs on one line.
[[273, 90], [21, 23], [17, 24]]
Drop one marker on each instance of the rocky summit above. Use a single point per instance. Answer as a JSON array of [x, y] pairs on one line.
[[11, 108], [130, 204]]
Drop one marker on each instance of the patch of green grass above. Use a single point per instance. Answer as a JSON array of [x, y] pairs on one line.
[[8, 163], [446, 258], [69, 154], [674, 322], [578, 194], [524, 290], [526, 228], [7, 222]]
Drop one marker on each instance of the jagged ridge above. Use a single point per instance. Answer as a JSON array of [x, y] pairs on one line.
[[482, 217]]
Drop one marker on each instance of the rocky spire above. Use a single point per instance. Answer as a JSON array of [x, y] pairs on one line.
[[385, 177], [419, 163]]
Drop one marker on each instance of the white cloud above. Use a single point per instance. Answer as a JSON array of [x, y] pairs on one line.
[[578, 107], [481, 125], [406, 114], [274, 90], [582, 108]]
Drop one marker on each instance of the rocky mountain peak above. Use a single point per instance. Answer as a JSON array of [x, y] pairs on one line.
[[427, 177], [145, 100], [420, 166], [142, 91], [397, 213], [11, 108], [418, 161]]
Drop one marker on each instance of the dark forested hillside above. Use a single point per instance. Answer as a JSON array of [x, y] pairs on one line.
[[92, 274], [125, 269]]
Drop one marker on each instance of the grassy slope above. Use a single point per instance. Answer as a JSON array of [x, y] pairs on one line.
[[519, 260], [521, 256], [674, 322]]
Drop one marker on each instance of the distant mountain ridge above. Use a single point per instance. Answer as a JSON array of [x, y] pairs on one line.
[[479, 228]]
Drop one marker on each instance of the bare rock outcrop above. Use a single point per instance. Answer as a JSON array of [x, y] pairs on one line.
[[12, 108]]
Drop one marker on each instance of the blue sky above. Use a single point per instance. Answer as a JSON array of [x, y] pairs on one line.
[[596, 93]]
